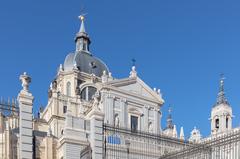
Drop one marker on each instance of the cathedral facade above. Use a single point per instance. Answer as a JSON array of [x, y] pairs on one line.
[[91, 114]]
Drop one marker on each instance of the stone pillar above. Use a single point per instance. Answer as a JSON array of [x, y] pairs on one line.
[[49, 147], [8, 145], [110, 110], [96, 133], [124, 112], [146, 117], [73, 140], [25, 100], [157, 121]]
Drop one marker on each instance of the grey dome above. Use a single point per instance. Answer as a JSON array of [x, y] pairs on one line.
[[83, 61]]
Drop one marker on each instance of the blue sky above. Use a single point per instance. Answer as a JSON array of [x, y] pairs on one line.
[[181, 47]]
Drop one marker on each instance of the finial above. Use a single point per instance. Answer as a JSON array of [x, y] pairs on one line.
[[181, 134], [26, 80], [104, 73], [175, 135], [110, 74], [222, 78], [133, 72], [82, 18], [61, 67], [104, 77], [169, 119], [221, 99]]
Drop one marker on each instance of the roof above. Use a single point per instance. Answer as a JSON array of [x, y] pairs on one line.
[[85, 62]]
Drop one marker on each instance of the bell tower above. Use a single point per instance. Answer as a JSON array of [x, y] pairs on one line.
[[221, 115]]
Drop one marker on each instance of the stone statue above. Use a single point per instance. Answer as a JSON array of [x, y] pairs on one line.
[[117, 122], [96, 99], [150, 127], [77, 91], [49, 93], [133, 73], [26, 80], [54, 85]]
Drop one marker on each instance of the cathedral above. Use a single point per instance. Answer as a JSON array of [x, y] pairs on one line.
[[92, 115]]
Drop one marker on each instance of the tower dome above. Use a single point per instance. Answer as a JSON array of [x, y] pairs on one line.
[[82, 57]]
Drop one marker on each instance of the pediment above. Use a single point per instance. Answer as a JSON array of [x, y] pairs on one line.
[[137, 86]]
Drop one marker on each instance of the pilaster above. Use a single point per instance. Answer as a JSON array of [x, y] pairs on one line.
[[25, 100]]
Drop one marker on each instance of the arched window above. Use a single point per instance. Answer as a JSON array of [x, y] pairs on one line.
[[68, 89], [227, 122], [88, 92], [217, 123]]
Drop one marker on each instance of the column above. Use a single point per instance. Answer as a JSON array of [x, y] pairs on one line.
[[146, 117], [49, 147], [25, 100], [110, 109], [124, 113], [156, 120]]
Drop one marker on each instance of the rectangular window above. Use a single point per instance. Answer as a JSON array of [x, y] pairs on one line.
[[134, 123], [217, 123], [64, 109], [227, 122]]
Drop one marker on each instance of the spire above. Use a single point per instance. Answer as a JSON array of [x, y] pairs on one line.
[[169, 119], [82, 39], [182, 134], [175, 131], [82, 27], [221, 99]]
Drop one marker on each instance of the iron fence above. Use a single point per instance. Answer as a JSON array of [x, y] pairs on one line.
[[121, 143], [9, 107], [219, 146]]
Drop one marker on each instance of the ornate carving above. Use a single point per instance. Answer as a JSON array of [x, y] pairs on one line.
[[49, 93], [150, 127], [133, 73], [26, 80], [96, 99], [117, 121], [123, 100], [54, 85], [77, 91]]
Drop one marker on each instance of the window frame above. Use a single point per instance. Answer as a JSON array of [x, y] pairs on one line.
[[86, 90]]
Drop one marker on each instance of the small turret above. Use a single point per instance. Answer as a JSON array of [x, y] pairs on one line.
[[221, 114], [169, 119], [82, 39], [195, 136]]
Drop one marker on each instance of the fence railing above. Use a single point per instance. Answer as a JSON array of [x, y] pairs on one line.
[[121, 143], [220, 146], [9, 107]]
